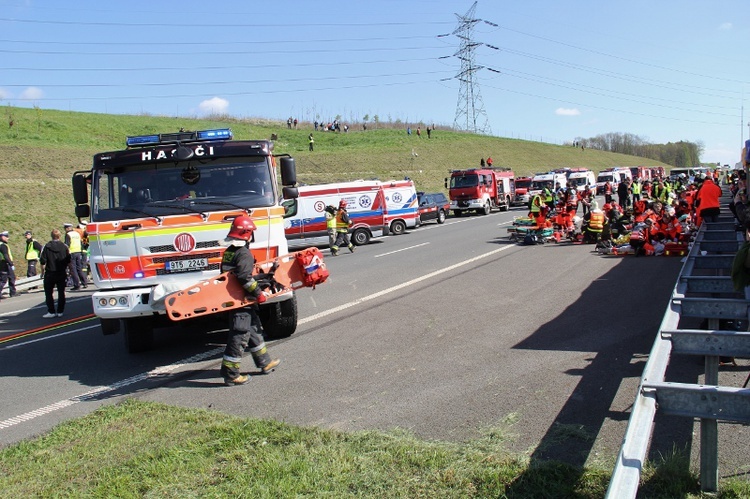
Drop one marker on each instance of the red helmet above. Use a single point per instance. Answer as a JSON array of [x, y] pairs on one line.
[[342, 203], [242, 228]]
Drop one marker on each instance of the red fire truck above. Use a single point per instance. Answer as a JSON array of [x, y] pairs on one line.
[[158, 212], [481, 190]]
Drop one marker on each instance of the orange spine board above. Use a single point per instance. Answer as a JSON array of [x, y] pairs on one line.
[[224, 292]]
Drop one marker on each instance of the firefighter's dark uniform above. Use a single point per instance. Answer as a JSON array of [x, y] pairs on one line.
[[7, 270], [245, 329]]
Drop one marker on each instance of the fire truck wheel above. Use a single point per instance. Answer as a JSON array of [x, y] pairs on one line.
[[506, 206], [398, 227], [139, 334], [441, 217], [279, 319], [487, 208], [360, 237]]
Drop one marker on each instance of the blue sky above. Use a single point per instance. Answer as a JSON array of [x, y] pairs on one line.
[[664, 70]]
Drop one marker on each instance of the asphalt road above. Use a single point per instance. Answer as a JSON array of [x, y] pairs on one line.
[[449, 332]]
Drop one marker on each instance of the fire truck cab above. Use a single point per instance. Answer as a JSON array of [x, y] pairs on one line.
[[481, 190], [158, 212]]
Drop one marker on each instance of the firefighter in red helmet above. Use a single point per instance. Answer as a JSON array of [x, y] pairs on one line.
[[245, 328], [343, 222]]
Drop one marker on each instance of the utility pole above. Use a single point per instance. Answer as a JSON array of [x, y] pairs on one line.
[[470, 114]]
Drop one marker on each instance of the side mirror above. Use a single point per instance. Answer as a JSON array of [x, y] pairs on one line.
[[83, 211], [290, 192], [288, 172], [80, 189]]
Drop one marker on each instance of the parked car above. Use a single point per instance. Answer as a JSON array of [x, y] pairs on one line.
[[433, 206]]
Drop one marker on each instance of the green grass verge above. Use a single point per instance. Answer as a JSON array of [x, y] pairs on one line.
[[144, 449]]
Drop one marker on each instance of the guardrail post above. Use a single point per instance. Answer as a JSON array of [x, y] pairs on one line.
[[710, 427]]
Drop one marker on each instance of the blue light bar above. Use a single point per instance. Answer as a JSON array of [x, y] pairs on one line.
[[179, 137], [218, 134], [142, 140]]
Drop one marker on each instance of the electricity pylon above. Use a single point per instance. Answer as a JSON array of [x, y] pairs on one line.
[[470, 114]]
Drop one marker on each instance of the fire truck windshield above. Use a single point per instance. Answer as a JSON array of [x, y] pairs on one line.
[[465, 181], [134, 192]]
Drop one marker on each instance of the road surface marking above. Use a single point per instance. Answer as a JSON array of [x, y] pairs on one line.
[[161, 371], [101, 390], [400, 250], [401, 286]]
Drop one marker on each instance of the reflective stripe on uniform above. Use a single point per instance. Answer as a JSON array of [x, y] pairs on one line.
[[259, 349], [250, 285]]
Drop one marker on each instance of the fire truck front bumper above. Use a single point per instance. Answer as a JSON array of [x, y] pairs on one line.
[[467, 204], [126, 303]]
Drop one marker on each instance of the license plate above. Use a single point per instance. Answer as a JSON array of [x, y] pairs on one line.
[[186, 265]]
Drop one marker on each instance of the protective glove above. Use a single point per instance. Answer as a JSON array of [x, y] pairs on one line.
[[258, 295]]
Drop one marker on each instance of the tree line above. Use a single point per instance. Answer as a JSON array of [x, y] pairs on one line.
[[682, 154]]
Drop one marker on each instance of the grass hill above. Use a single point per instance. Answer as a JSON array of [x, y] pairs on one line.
[[42, 148]]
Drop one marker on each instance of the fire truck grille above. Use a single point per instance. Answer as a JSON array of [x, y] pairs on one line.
[[169, 248]]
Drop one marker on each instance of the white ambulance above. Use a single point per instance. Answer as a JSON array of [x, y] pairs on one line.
[[305, 220], [551, 180], [401, 205], [582, 179]]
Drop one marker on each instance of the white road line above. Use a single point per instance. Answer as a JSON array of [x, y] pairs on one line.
[[161, 371], [401, 286], [100, 390], [42, 306], [50, 337], [400, 250]]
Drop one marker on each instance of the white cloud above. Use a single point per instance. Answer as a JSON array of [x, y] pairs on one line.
[[4, 94], [725, 26], [214, 105], [31, 93], [561, 111]]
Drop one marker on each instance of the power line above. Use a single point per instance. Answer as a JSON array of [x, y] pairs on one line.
[[250, 24], [226, 82], [192, 69], [625, 59], [224, 94]]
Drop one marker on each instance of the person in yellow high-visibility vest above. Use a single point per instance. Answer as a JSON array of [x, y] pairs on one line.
[[7, 269], [74, 244], [33, 250], [330, 212], [343, 222]]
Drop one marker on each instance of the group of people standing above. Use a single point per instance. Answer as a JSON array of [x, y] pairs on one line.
[[62, 261]]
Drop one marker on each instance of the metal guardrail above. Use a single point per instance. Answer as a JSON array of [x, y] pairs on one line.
[[709, 297], [25, 284]]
